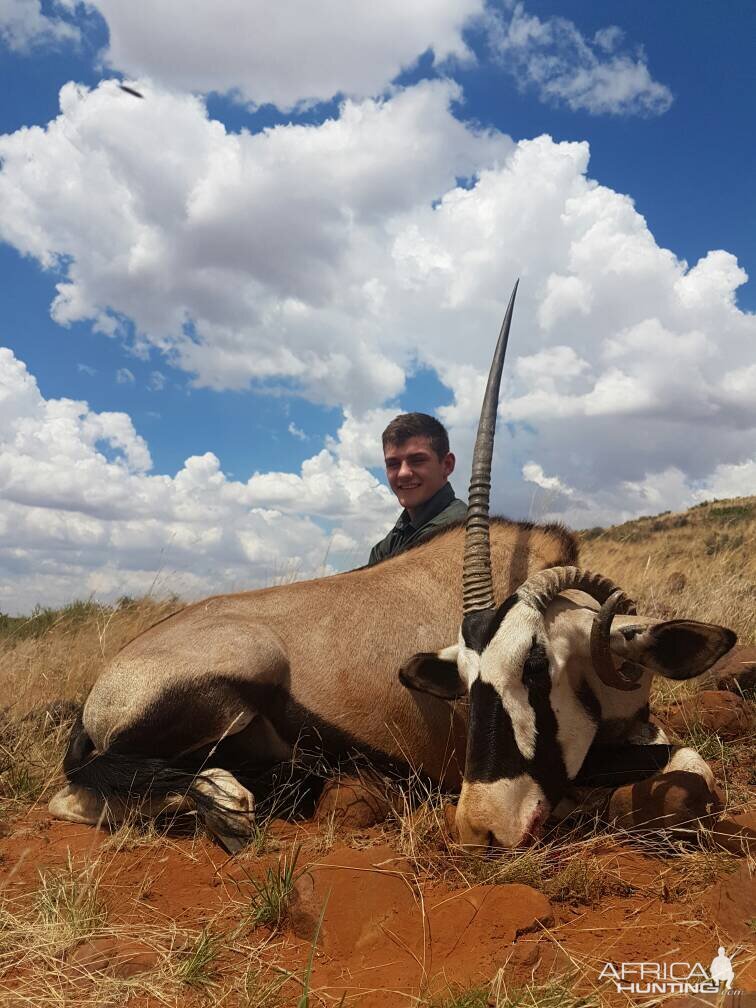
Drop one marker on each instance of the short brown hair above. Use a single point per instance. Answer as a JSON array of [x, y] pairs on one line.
[[409, 425]]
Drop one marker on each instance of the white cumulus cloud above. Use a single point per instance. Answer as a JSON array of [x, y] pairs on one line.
[[561, 65], [23, 26], [81, 513], [245, 258], [288, 53], [334, 260]]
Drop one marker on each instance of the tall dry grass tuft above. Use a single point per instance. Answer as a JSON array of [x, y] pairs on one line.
[[58, 654], [48, 663]]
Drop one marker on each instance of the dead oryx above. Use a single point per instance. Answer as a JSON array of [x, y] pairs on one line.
[[240, 680]]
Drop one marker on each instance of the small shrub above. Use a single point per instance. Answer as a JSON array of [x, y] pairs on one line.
[[593, 533]]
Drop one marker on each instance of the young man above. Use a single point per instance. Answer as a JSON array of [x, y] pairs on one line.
[[418, 466]]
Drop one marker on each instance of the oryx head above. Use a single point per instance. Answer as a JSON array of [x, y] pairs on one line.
[[530, 726]]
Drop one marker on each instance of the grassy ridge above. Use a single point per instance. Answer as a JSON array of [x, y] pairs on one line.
[[57, 654], [697, 564]]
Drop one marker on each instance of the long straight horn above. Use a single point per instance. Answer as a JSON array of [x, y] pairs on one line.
[[477, 580]]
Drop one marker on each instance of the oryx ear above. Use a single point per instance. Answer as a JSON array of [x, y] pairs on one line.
[[677, 649], [435, 673]]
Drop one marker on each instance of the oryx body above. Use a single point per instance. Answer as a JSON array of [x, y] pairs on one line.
[[310, 663], [545, 675]]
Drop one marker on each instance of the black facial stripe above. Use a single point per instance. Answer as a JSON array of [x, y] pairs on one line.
[[547, 765], [492, 752], [613, 765], [536, 667], [498, 617], [480, 627], [491, 741]]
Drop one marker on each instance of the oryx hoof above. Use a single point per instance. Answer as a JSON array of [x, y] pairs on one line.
[[74, 803], [230, 816]]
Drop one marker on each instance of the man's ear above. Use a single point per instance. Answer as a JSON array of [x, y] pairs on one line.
[[435, 673], [448, 463], [677, 649]]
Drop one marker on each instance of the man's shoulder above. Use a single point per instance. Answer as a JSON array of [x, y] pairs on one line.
[[454, 511]]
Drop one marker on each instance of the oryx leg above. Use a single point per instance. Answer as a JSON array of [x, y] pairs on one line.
[[634, 779], [681, 797], [74, 803], [661, 787], [154, 720]]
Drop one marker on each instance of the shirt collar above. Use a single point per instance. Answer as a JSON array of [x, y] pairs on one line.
[[441, 499]]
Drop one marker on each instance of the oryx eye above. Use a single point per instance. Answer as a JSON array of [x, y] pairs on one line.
[[536, 667]]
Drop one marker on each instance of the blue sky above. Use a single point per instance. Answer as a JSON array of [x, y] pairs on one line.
[[336, 263]]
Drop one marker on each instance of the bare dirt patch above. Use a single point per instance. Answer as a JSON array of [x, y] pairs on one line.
[[92, 918]]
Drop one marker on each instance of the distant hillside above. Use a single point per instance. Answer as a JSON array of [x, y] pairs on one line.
[[699, 563]]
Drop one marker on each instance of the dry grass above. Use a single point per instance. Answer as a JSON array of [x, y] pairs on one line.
[[58, 654], [567, 867], [44, 931], [557, 992], [700, 564], [48, 663], [687, 875]]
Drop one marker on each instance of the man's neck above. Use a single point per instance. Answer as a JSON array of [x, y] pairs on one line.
[[414, 512]]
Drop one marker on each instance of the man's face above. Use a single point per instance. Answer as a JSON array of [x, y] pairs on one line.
[[415, 473]]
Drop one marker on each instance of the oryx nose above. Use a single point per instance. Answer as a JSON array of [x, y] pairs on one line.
[[470, 837]]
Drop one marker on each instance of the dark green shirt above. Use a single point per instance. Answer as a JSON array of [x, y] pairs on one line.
[[442, 509]]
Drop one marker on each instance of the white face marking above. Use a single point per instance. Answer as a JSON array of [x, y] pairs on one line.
[[468, 662], [449, 653], [576, 729], [501, 665]]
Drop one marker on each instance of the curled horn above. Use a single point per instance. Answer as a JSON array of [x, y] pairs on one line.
[[601, 655], [477, 579], [542, 588]]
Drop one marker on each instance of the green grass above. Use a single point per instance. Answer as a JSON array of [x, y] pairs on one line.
[[714, 749], [474, 997], [68, 904], [270, 901], [198, 968], [556, 993]]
